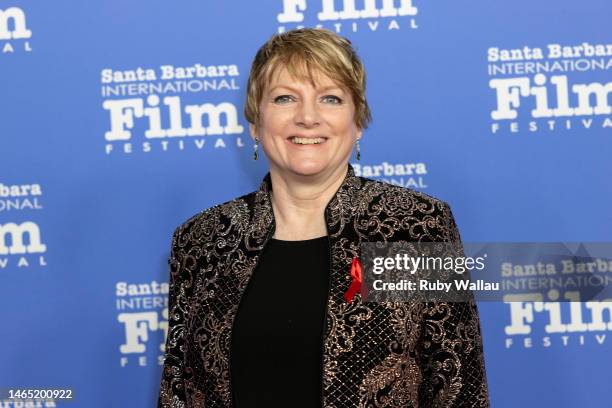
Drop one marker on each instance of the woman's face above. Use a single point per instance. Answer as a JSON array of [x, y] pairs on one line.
[[321, 118]]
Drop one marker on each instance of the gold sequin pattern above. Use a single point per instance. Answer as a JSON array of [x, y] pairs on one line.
[[391, 354]]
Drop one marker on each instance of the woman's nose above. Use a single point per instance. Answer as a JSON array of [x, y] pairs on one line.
[[307, 113]]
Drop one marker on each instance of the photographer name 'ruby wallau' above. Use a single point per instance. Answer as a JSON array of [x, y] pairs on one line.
[[258, 315]]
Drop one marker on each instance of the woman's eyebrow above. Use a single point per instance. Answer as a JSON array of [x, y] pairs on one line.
[[334, 87], [281, 86], [326, 88]]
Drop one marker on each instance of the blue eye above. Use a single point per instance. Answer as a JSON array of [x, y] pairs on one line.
[[338, 100], [281, 98]]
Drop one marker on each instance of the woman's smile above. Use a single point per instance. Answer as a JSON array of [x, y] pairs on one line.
[[306, 141]]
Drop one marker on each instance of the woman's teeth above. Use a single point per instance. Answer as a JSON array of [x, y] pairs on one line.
[[307, 140]]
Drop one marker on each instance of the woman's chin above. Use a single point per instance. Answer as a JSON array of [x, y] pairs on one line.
[[308, 167]]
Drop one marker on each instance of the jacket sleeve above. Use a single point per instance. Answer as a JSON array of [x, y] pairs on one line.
[[450, 349], [172, 388]]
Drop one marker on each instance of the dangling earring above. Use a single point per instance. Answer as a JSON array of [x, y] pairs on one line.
[[256, 149], [358, 155]]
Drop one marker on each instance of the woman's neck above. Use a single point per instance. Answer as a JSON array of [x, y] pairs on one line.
[[299, 203]]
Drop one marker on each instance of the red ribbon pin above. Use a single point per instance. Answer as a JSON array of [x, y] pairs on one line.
[[356, 284]]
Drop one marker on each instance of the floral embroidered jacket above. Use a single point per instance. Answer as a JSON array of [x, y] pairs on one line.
[[389, 354]]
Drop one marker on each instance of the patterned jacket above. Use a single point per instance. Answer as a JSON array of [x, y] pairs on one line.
[[384, 354]]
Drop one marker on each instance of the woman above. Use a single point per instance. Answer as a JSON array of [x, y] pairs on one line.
[[292, 337]]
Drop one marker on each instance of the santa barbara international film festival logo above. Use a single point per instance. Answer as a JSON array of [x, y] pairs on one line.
[[344, 16], [21, 238], [142, 311], [552, 88], [566, 302], [411, 175], [171, 109], [568, 321], [14, 33]]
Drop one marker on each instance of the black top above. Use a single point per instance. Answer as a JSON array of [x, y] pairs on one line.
[[277, 338]]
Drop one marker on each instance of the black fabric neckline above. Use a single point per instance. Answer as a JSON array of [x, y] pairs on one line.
[[299, 242]]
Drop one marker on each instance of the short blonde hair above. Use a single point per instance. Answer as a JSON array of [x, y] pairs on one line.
[[303, 51]]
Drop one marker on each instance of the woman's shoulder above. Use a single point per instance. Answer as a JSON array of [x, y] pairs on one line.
[[375, 190], [209, 218], [388, 200]]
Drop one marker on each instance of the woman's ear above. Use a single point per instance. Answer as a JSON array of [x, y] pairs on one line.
[[252, 130]]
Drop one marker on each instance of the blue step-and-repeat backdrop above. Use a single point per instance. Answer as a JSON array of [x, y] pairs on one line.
[[121, 119]]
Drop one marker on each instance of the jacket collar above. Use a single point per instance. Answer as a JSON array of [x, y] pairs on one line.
[[338, 210]]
